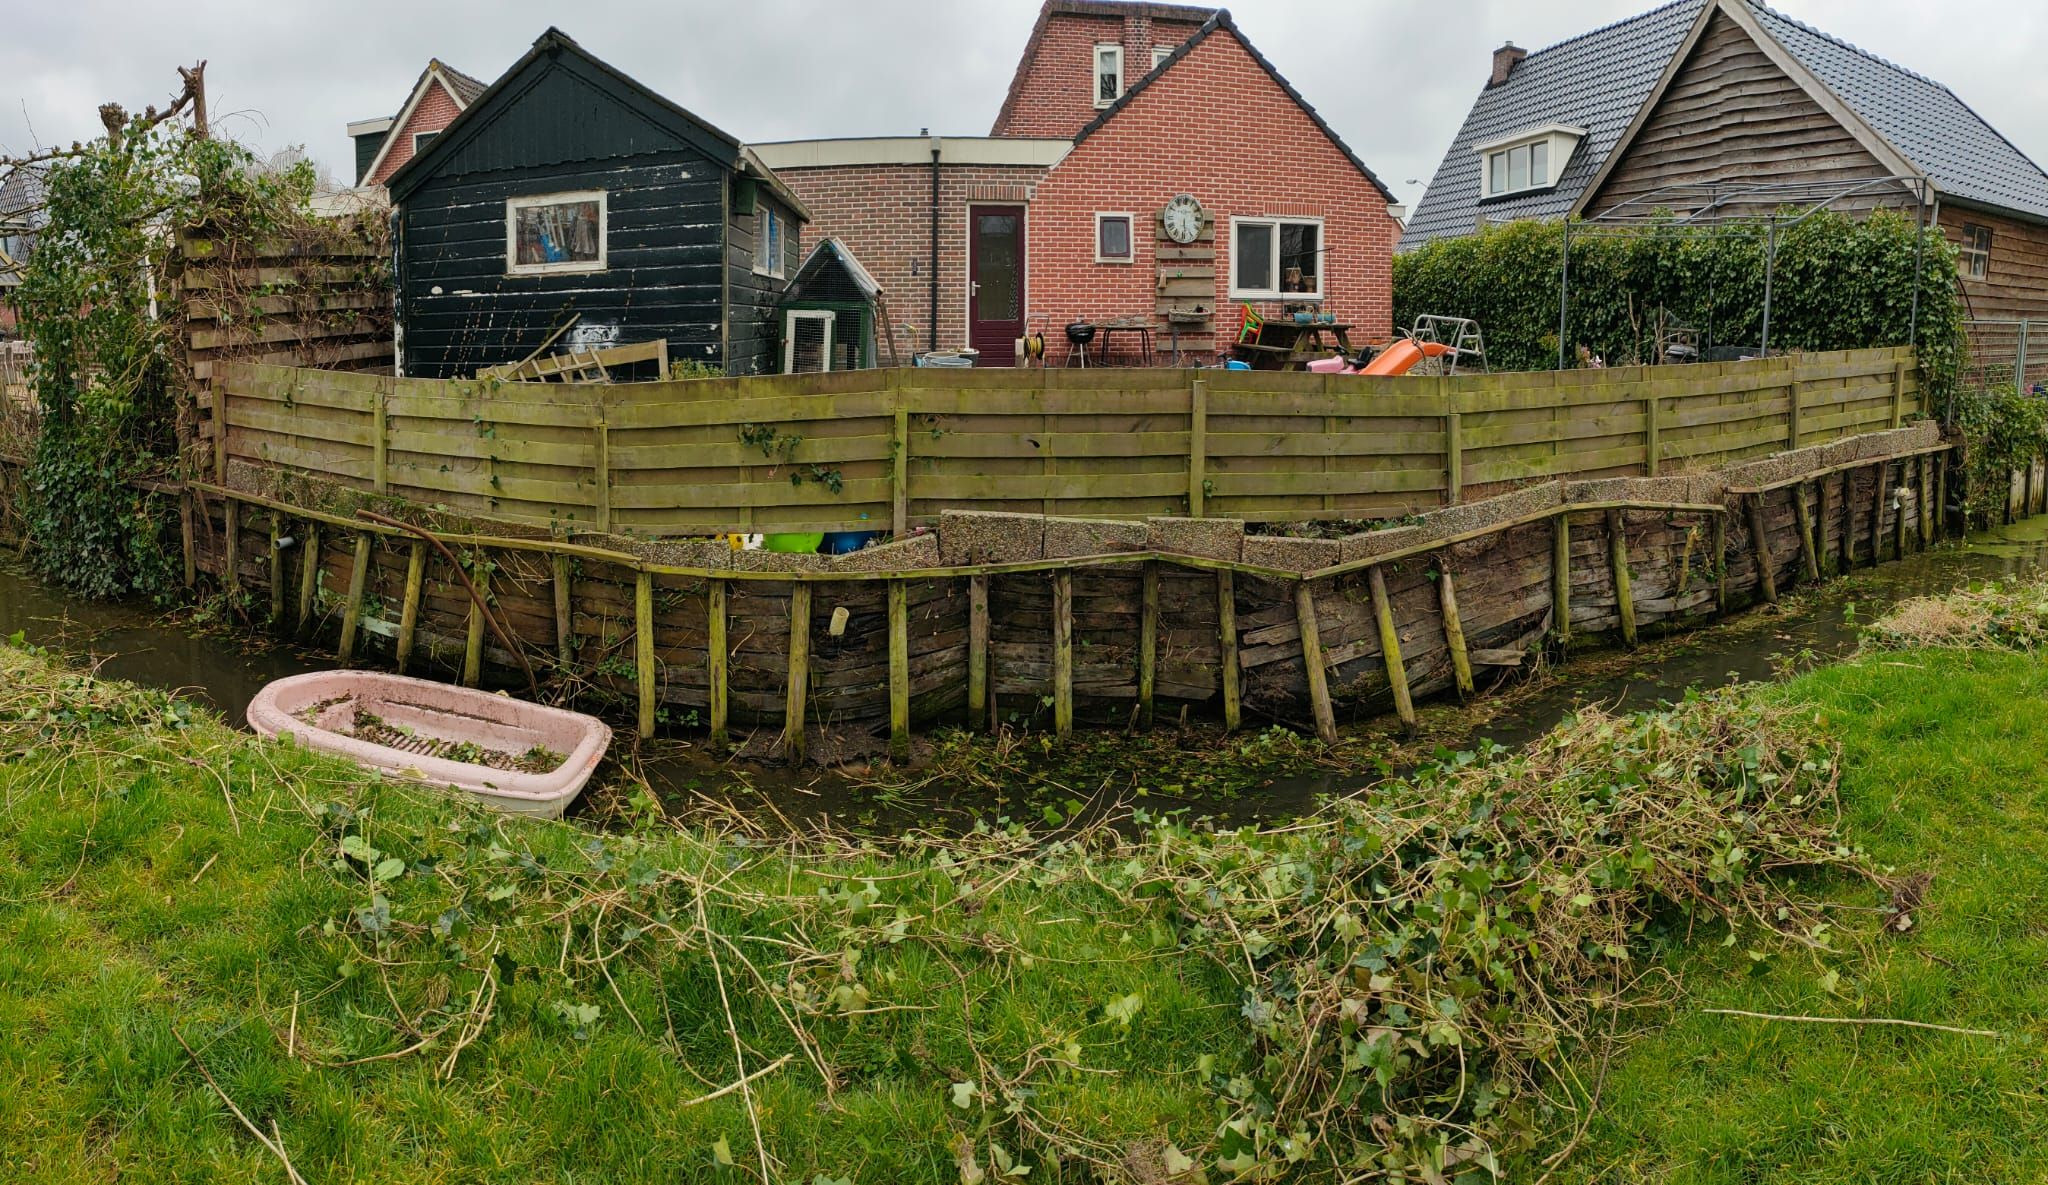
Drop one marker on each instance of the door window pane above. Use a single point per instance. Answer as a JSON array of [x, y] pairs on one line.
[[998, 269], [1254, 249]]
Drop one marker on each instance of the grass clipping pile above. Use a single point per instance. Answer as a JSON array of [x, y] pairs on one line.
[[1392, 990], [1997, 616]]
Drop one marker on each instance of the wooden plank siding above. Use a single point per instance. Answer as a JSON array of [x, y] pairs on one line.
[[2015, 286], [1730, 114], [822, 451]]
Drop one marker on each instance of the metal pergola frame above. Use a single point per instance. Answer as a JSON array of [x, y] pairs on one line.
[[1725, 205]]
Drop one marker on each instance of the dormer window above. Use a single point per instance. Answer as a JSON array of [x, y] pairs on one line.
[[1109, 74], [1526, 161]]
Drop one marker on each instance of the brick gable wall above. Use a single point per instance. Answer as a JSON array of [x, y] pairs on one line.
[[1055, 93], [437, 110], [1217, 126], [882, 213]]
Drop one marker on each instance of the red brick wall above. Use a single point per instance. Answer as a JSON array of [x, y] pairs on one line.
[[882, 212], [436, 111], [1054, 93], [1217, 126]]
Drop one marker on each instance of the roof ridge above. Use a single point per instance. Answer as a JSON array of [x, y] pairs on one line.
[[1612, 25]]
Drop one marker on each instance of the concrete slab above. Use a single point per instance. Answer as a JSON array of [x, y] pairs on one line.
[[984, 537], [899, 555], [1209, 538], [1066, 537], [1289, 554]]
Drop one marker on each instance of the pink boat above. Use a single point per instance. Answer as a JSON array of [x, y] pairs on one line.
[[517, 756]]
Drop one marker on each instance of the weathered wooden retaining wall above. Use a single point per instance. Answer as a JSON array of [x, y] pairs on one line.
[[994, 613], [887, 449]]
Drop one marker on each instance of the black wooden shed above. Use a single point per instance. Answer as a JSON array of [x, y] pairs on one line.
[[569, 194]]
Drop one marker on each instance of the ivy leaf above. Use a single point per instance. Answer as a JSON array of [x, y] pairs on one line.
[[721, 1152], [390, 868], [964, 1094], [1123, 1009]]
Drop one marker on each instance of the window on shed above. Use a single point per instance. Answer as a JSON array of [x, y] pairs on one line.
[[1112, 238], [769, 227], [1276, 257], [1109, 74], [556, 232], [1975, 261]]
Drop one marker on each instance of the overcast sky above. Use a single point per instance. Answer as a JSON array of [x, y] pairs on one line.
[[1394, 78]]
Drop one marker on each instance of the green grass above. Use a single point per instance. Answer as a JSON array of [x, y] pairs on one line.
[[137, 906], [162, 876], [1943, 760]]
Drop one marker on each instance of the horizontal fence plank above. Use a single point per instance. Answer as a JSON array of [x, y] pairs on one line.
[[705, 455]]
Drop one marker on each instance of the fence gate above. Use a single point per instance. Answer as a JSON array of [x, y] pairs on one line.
[[2007, 353]]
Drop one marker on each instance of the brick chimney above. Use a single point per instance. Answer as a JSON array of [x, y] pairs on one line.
[[1504, 60]]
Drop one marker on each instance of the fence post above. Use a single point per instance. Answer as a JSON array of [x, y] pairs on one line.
[[2019, 359], [899, 476], [220, 426], [643, 648], [1796, 394], [1313, 660], [1898, 393], [380, 442], [716, 655], [1198, 446], [1454, 459], [1652, 452], [601, 437]]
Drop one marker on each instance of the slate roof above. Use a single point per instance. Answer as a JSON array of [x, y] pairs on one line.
[[465, 87], [1596, 81], [1929, 125], [1600, 79]]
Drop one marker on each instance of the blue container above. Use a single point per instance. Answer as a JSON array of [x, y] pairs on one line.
[[842, 542]]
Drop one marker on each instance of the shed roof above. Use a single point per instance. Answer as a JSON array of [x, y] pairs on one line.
[[551, 47], [831, 253], [1600, 80]]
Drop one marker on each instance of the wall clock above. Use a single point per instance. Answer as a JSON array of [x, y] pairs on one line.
[[1182, 219]]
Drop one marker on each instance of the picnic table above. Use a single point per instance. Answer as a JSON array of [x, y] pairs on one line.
[[1292, 345]]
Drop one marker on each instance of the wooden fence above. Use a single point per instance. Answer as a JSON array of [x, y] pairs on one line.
[[881, 449], [318, 298]]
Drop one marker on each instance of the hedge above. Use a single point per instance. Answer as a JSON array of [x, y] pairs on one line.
[[1841, 283]]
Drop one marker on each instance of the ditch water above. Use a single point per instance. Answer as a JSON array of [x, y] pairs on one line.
[[132, 642]]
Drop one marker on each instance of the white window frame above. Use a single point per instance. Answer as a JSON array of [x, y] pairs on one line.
[[1276, 221], [789, 320], [1160, 53], [1130, 254], [766, 216], [416, 145], [1559, 140], [514, 204], [1973, 262], [1095, 71]]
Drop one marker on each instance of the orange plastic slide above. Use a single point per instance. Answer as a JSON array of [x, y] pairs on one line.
[[1402, 356]]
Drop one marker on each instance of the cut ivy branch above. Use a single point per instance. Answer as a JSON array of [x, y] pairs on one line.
[[1852, 1020]]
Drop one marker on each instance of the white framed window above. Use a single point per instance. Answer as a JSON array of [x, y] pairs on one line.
[[1160, 53], [1113, 238], [420, 140], [1276, 258], [1526, 161], [1109, 74], [1974, 262], [555, 232], [769, 227]]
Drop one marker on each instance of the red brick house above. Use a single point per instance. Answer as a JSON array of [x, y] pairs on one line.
[[1148, 163], [382, 145]]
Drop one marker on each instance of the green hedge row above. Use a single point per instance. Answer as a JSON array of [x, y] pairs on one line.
[[1841, 283]]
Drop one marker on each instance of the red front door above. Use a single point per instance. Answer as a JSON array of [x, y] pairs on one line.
[[995, 282]]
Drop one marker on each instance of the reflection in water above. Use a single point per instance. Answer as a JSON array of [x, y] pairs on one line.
[[132, 643]]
